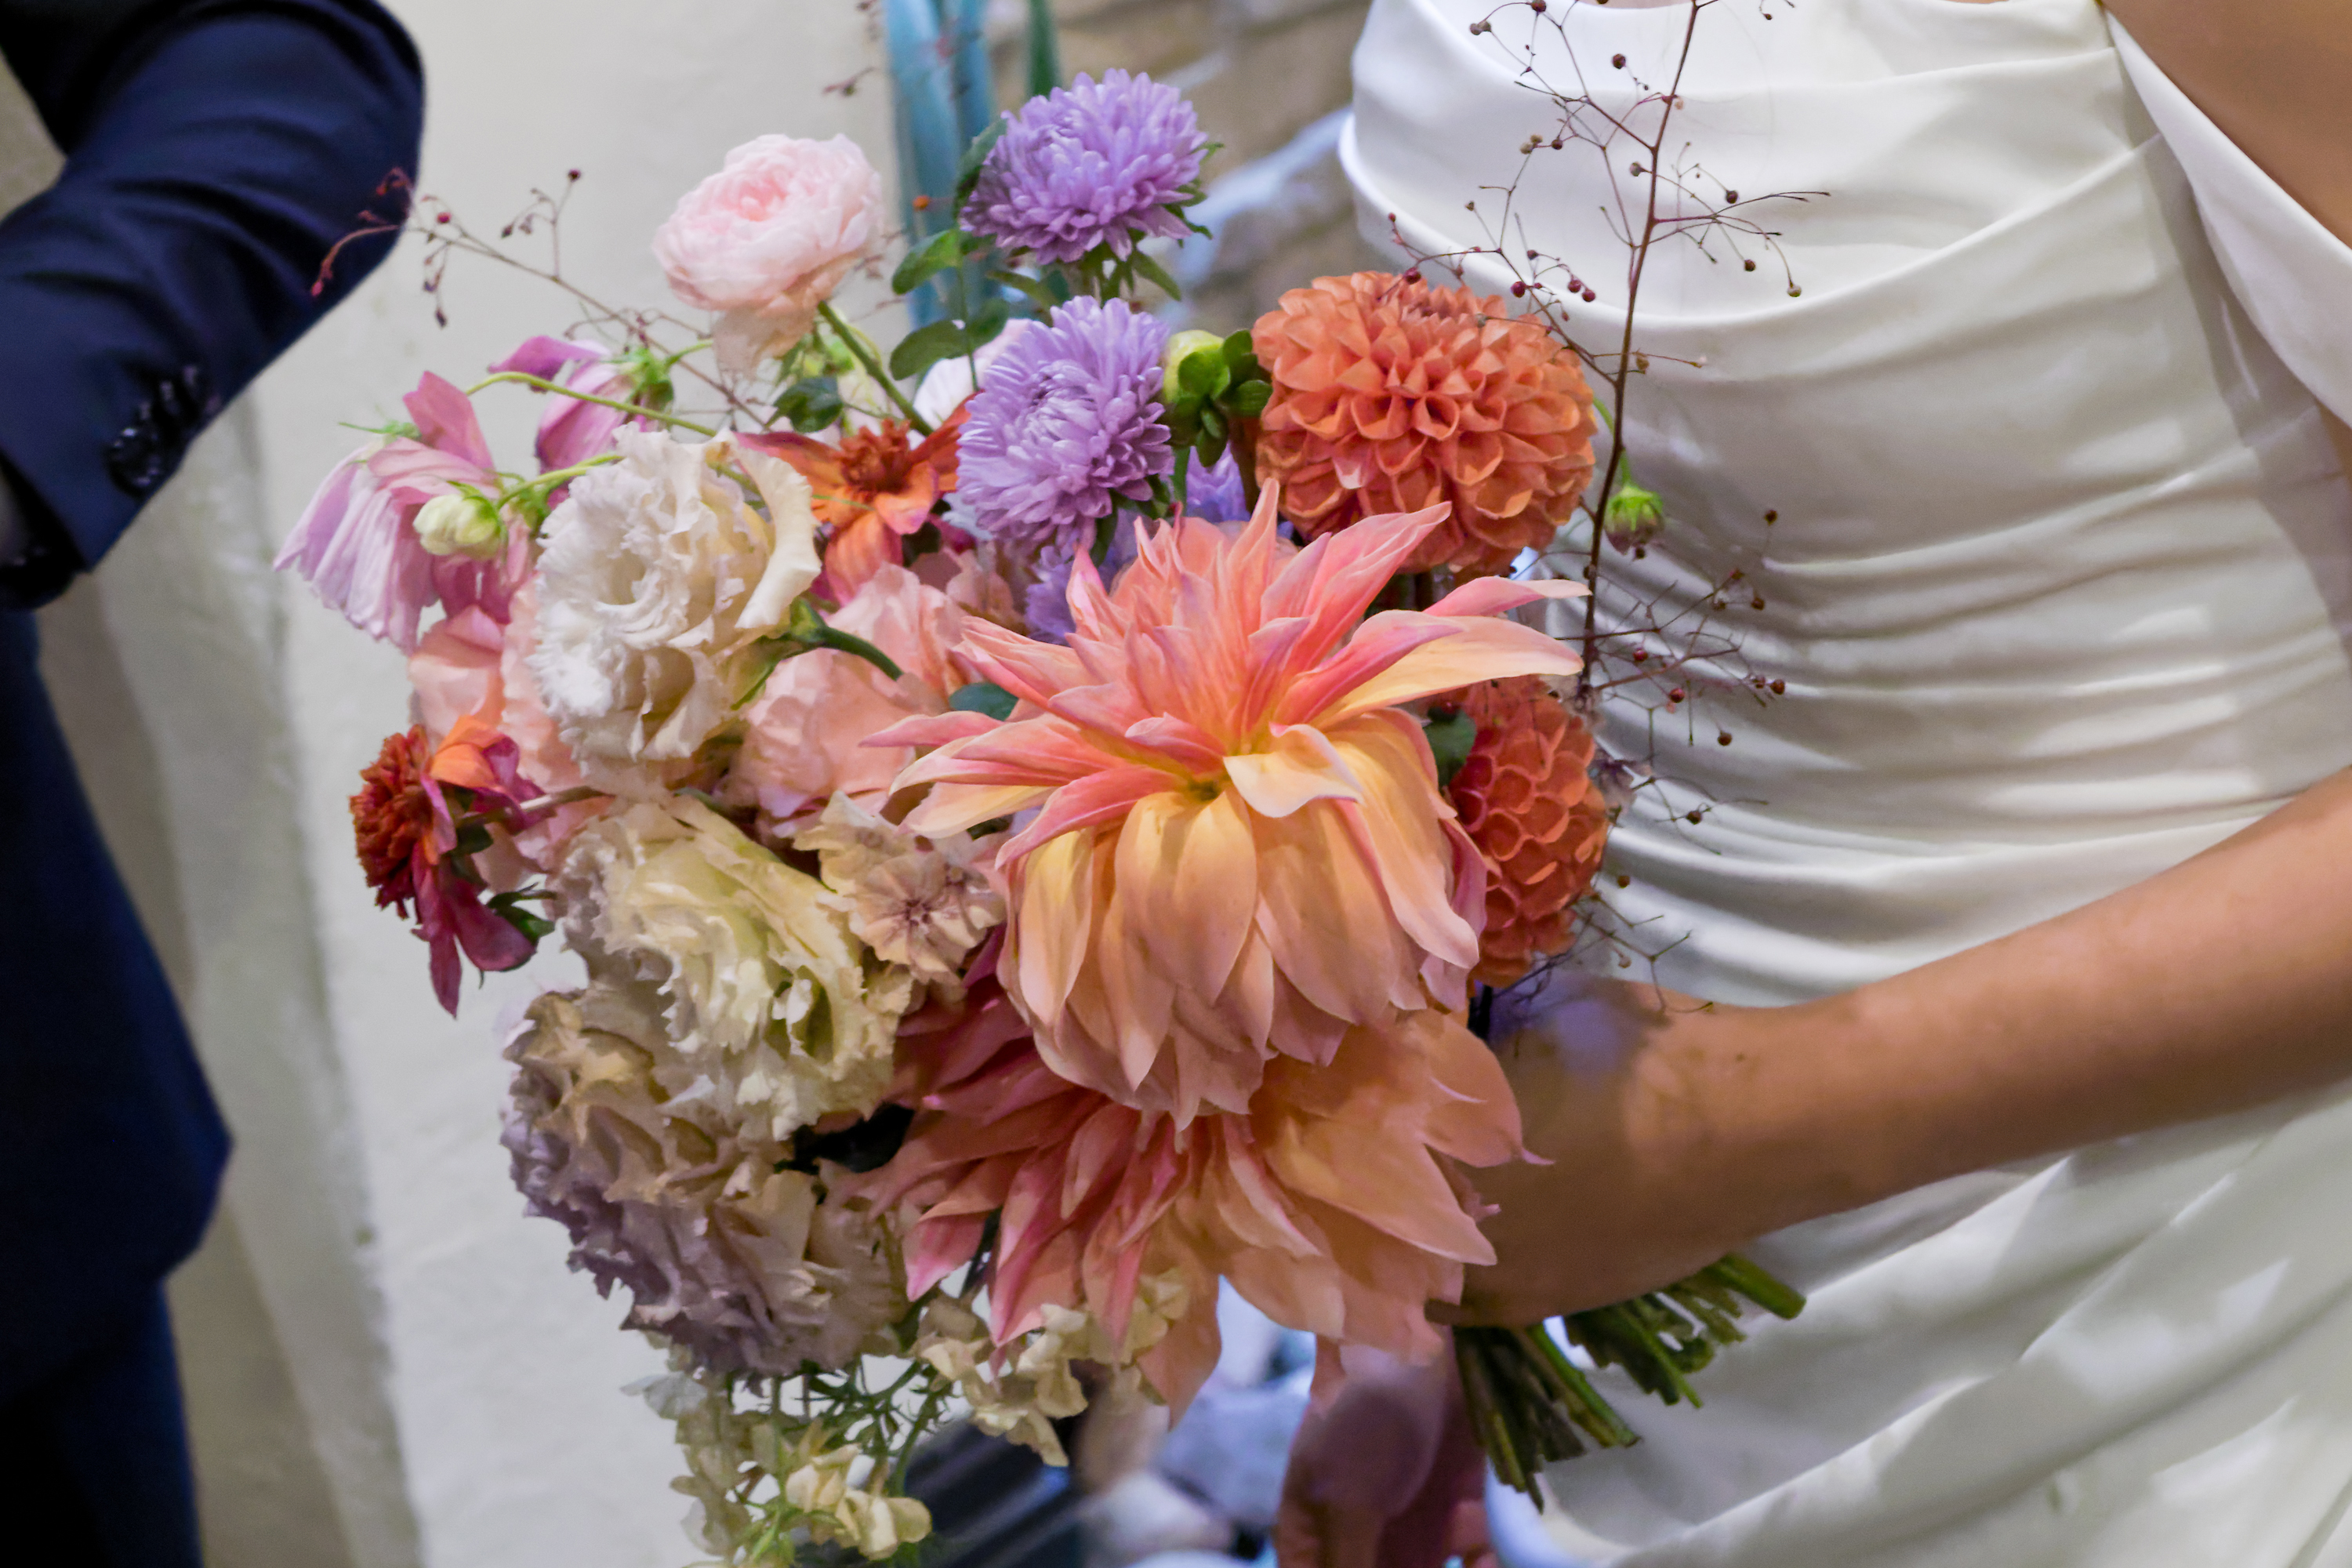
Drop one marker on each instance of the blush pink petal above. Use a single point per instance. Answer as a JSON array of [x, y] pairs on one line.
[[1494, 595], [1332, 1203]]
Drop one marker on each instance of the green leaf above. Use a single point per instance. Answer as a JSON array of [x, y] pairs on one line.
[[812, 403], [1213, 424], [508, 908], [1031, 289], [974, 155], [983, 697], [805, 632], [1450, 740], [934, 256], [1208, 447], [857, 647], [1248, 400], [925, 346], [1151, 273], [989, 320], [1240, 346], [1044, 49], [1202, 373]]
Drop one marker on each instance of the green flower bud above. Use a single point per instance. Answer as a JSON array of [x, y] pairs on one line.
[[1192, 368], [460, 525], [1635, 515]]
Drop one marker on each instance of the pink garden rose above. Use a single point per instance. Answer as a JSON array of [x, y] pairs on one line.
[[807, 732], [768, 238]]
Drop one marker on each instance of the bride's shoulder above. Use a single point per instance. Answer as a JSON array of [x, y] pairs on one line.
[[2274, 75]]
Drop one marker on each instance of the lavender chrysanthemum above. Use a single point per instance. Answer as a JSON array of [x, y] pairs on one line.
[[1093, 164], [1047, 605], [1065, 422], [1215, 494]]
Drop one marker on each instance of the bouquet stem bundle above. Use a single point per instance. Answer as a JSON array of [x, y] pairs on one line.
[[1531, 1405]]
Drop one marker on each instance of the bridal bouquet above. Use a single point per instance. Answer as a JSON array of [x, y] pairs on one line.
[[1037, 811]]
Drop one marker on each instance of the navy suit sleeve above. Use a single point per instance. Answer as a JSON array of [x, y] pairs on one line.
[[216, 152]]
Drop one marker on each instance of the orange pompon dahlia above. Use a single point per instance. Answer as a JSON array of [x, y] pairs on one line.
[[1390, 396], [1334, 1205], [872, 489], [1240, 849], [1538, 818]]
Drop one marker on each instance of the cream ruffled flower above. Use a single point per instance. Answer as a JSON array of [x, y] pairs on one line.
[[775, 1015], [818, 1483], [657, 578], [917, 901], [1021, 1392], [749, 1267]]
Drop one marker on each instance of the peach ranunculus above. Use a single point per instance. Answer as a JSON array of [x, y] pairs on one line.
[[870, 490], [1240, 849], [804, 738], [768, 238], [1333, 1205]]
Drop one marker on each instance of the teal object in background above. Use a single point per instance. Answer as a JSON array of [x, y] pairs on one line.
[[943, 97]]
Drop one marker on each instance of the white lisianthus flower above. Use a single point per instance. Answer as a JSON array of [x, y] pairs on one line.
[[750, 1267], [918, 901], [658, 577], [775, 1015]]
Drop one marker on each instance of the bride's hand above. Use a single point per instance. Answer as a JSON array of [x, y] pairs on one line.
[[1639, 1098]]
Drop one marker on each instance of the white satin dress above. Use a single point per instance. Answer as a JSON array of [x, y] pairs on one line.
[[2061, 587]]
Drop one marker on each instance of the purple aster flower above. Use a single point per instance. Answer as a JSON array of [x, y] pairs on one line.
[[1065, 421], [1046, 607], [1094, 164], [1216, 494]]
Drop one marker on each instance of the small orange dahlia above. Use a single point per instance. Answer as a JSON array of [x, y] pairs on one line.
[[1391, 396], [872, 489], [1528, 803]]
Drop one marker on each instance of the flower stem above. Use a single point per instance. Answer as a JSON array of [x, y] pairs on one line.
[[543, 384], [856, 342], [1528, 1402]]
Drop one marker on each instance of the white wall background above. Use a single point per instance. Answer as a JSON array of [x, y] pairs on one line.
[[388, 1365]]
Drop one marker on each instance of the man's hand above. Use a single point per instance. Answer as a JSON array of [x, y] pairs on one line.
[[1384, 1472]]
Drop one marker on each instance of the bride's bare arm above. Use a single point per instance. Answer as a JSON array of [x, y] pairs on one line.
[[1679, 1132], [2274, 75]]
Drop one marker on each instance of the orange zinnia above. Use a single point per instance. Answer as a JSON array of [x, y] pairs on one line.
[[1240, 848]]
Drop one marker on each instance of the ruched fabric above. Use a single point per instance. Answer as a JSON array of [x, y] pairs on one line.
[[2060, 586]]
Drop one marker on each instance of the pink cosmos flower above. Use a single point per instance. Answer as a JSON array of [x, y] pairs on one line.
[[570, 431], [1333, 1205], [355, 548], [804, 740], [768, 238], [1240, 850], [356, 543]]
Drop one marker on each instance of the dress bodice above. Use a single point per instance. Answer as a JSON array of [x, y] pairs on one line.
[[2059, 587], [2062, 573]]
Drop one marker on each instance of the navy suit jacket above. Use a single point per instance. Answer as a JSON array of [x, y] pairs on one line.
[[217, 150]]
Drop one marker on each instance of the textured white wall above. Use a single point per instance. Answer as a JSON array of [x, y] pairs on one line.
[[519, 1450]]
